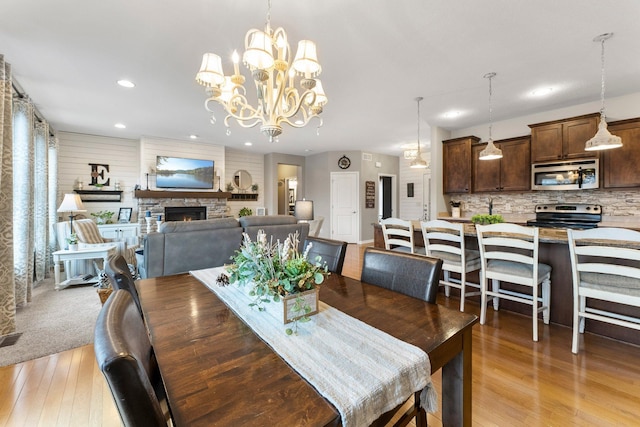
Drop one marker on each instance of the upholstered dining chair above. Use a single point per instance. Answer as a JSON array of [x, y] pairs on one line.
[[330, 251], [120, 277], [410, 274], [398, 235], [445, 240], [605, 266], [509, 253], [125, 357]]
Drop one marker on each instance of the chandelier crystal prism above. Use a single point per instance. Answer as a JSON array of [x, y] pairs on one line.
[[287, 90], [603, 139], [419, 162], [491, 152]]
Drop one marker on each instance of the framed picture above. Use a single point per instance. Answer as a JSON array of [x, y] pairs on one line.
[[292, 196], [261, 211], [124, 215]]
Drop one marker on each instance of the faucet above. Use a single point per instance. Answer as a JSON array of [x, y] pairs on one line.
[[490, 206]]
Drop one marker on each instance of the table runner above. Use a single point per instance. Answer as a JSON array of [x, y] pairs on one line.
[[362, 371]]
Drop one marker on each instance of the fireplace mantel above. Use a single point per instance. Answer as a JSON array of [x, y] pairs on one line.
[[154, 194]]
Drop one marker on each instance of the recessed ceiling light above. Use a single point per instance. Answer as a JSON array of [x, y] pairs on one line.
[[126, 83], [193, 136], [248, 144], [542, 91], [120, 126], [451, 114]]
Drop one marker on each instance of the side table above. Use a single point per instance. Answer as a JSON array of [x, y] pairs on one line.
[[103, 252]]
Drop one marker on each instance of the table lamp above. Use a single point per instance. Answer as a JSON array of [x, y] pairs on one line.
[[71, 203], [303, 210]]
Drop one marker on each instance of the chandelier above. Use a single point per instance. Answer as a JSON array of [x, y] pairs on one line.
[[419, 162], [491, 152], [287, 91], [603, 139]]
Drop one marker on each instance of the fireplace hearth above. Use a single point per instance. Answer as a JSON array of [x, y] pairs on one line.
[[185, 213]]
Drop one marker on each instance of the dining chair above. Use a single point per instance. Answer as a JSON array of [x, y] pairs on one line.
[[117, 270], [410, 274], [398, 235], [315, 225], [445, 240], [605, 265], [509, 253], [125, 357], [330, 251]]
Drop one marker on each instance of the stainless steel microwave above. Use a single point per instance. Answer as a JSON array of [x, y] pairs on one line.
[[570, 175]]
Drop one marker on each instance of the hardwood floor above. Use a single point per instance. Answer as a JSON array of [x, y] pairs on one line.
[[516, 382]]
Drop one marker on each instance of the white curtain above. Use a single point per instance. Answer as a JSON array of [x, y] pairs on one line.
[[7, 288], [40, 211], [23, 198], [52, 195]]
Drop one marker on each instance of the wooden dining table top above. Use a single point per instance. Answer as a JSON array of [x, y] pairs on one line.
[[218, 372]]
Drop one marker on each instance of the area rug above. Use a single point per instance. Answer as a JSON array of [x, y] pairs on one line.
[[53, 321]]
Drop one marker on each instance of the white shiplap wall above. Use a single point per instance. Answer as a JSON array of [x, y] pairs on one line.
[[75, 153], [411, 207], [252, 163]]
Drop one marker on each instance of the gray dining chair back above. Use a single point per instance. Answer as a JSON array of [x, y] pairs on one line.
[[330, 251], [605, 266], [125, 357], [509, 253], [410, 274], [120, 277], [445, 240]]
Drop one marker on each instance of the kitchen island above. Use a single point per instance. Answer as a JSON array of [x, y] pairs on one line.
[[554, 251]]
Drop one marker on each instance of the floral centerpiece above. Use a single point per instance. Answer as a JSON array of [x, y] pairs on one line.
[[276, 272]]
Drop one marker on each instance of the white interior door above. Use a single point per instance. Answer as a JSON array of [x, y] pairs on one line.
[[345, 208]]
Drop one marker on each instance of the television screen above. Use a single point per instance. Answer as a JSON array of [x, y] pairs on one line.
[[175, 172]]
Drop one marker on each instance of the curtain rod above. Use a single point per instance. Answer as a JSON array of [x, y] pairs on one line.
[[20, 92]]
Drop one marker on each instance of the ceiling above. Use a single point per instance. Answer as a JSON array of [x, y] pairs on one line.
[[377, 56]]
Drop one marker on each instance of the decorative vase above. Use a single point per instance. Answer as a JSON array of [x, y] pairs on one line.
[[73, 246], [289, 313], [455, 212]]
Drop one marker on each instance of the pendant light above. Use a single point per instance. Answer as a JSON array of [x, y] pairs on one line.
[[603, 140], [491, 152], [419, 162]]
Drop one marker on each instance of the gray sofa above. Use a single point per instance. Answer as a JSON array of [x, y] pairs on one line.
[[181, 246]]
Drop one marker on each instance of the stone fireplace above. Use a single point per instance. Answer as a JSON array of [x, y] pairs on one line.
[[196, 205]]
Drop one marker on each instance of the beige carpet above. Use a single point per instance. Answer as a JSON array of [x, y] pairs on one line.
[[53, 321]]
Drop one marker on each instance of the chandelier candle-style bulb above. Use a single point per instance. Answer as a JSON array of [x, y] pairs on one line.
[[286, 90]]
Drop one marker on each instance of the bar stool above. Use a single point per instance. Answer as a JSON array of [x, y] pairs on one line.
[[445, 240], [605, 265], [509, 253], [398, 235]]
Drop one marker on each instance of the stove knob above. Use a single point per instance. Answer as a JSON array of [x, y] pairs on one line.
[[588, 208]]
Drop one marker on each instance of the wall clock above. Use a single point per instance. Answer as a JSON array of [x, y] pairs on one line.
[[344, 162]]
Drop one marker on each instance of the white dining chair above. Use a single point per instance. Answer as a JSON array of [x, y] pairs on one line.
[[509, 253], [398, 235], [445, 240], [605, 266]]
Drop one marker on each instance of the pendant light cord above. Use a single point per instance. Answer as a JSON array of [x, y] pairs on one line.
[[418, 99], [490, 76], [602, 82]]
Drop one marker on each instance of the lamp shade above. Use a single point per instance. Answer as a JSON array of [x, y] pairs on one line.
[[71, 203], [306, 60], [258, 50], [210, 73], [303, 210]]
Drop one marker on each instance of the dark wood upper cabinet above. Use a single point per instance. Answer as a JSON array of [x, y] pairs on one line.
[[510, 173], [457, 169], [619, 166], [563, 139]]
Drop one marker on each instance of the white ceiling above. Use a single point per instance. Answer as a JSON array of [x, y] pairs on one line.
[[377, 56]]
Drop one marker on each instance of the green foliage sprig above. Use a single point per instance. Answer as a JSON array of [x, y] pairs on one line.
[[245, 212], [484, 219], [103, 216]]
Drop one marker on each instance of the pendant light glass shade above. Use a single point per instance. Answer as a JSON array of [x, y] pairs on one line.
[[419, 162], [491, 152], [603, 140]]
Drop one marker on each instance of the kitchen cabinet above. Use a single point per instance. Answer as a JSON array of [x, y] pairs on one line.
[[457, 169], [619, 166], [563, 139], [510, 173]]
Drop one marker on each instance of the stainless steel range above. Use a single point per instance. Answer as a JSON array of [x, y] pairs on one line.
[[567, 215]]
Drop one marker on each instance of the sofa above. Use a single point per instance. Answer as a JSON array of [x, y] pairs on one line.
[[181, 246]]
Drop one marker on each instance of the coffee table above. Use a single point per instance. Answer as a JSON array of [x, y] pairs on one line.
[[65, 255]]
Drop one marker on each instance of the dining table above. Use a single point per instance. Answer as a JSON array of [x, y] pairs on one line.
[[217, 371]]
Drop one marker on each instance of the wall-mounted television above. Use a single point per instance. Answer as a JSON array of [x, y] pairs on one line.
[[177, 172]]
